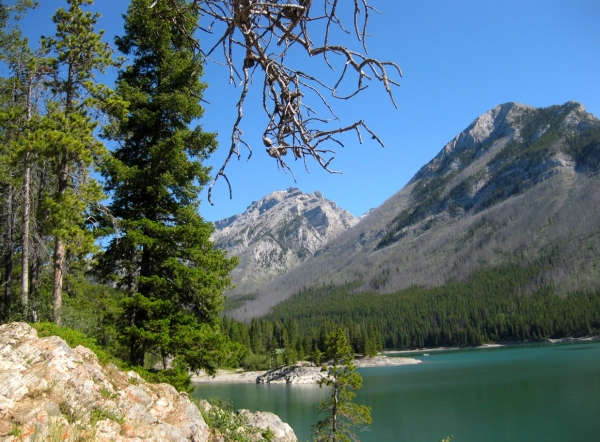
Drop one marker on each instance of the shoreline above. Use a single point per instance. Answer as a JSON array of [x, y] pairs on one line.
[[249, 377], [225, 376]]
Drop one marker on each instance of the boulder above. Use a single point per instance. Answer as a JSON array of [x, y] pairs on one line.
[[282, 432], [298, 374], [248, 425]]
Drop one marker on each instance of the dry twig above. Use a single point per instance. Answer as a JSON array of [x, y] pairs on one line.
[[265, 32]]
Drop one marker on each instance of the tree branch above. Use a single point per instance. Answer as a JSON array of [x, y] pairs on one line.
[[266, 33]]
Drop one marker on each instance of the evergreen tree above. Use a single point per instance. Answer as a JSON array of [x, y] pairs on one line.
[[18, 104], [341, 413], [65, 136], [161, 254]]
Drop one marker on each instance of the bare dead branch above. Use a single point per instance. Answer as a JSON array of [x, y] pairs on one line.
[[260, 36]]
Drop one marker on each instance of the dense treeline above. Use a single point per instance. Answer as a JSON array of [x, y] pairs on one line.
[[271, 342], [498, 304]]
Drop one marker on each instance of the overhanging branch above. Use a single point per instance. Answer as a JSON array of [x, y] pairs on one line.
[[260, 35]]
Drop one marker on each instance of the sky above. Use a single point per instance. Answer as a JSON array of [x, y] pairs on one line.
[[459, 59]]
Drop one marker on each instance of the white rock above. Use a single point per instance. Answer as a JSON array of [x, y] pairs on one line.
[[262, 419], [43, 381], [292, 375]]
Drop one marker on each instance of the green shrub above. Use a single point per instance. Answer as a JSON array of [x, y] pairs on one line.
[[75, 338], [254, 362]]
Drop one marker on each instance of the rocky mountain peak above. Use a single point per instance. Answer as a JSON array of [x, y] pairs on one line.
[[509, 122], [518, 181], [278, 232], [504, 152], [494, 122], [497, 123]]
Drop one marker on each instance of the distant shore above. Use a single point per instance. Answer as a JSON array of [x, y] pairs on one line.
[[493, 345], [233, 377], [250, 376]]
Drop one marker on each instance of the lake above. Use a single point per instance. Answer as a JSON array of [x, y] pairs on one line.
[[546, 392]]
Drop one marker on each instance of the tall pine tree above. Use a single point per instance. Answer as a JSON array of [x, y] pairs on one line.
[[16, 108], [65, 135], [161, 254]]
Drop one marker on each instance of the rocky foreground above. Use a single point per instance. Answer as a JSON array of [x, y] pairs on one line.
[[50, 391]]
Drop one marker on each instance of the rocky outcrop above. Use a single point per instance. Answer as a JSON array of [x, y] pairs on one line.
[[246, 425], [50, 391], [292, 375], [310, 374], [277, 233]]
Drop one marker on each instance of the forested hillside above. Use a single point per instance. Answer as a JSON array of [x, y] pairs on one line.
[[492, 305], [500, 304]]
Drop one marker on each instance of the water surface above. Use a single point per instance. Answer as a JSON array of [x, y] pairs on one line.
[[548, 392]]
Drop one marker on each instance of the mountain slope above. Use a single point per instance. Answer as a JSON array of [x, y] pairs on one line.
[[277, 233], [518, 183]]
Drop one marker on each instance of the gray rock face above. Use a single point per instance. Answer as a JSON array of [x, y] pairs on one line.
[[278, 233]]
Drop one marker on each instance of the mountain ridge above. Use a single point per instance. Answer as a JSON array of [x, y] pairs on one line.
[[517, 182], [277, 233]]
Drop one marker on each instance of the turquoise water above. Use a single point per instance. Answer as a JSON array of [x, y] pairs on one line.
[[548, 392]]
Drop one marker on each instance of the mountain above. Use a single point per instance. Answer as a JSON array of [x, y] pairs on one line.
[[277, 233], [519, 184]]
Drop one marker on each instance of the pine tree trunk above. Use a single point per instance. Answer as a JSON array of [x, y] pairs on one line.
[[59, 259], [59, 247], [38, 258], [334, 411], [9, 252], [26, 211], [137, 353], [25, 246]]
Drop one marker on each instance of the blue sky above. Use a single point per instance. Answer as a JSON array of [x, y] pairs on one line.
[[459, 60]]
